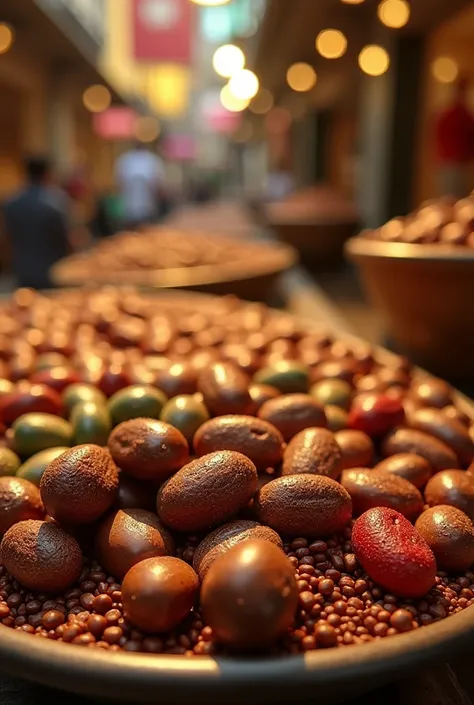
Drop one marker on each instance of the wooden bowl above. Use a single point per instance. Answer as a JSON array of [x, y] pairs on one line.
[[317, 221], [426, 295], [333, 674]]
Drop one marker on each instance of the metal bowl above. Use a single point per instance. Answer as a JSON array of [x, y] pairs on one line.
[[136, 678], [426, 296], [333, 675]]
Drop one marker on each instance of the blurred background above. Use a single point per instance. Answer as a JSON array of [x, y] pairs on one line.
[[310, 119]]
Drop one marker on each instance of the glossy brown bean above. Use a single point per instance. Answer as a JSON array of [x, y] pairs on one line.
[[314, 451], [451, 432], [373, 488], [257, 439], [225, 389], [357, 448], [292, 413], [412, 467], [409, 440]]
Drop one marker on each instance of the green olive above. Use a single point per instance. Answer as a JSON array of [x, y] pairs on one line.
[[80, 392], [91, 423], [9, 462], [289, 376], [338, 418], [137, 401], [336, 392], [186, 413], [37, 431], [33, 468]]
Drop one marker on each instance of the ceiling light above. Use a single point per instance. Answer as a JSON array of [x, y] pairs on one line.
[[331, 43], [231, 102], [228, 59], [244, 84], [96, 98], [7, 37], [374, 60], [301, 77], [445, 69], [394, 13]]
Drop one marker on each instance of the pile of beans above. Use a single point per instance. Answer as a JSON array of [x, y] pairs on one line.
[[163, 248], [192, 477], [443, 222]]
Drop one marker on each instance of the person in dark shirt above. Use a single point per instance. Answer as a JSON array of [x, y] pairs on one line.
[[36, 226], [455, 144]]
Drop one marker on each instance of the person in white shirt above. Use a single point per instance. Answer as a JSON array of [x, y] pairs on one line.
[[139, 174]]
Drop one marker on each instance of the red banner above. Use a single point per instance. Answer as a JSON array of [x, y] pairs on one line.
[[162, 30]]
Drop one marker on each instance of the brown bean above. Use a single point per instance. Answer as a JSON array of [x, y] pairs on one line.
[[412, 467], [225, 537], [452, 487], [357, 448], [372, 488], [148, 449], [409, 440], [304, 505], [292, 413], [314, 451], [257, 439], [451, 432], [207, 491], [225, 389], [432, 392]]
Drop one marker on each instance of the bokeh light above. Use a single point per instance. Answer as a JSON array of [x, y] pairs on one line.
[[301, 77], [7, 37], [394, 13], [331, 43], [96, 98], [244, 84], [278, 121], [231, 102], [445, 69], [353, 2], [262, 103], [227, 60], [147, 129], [374, 60]]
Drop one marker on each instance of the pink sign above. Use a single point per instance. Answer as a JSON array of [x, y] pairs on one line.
[[115, 123]]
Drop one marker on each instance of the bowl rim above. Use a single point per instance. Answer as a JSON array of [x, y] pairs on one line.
[[97, 672], [360, 246]]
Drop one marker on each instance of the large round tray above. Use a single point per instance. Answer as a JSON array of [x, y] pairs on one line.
[[252, 279], [330, 675]]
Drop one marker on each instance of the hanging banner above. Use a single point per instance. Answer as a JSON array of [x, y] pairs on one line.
[[162, 30]]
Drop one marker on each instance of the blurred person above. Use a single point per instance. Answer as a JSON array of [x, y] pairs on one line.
[[140, 176], [455, 144], [36, 225]]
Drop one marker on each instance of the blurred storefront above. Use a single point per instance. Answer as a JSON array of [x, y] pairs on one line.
[[351, 92], [49, 52]]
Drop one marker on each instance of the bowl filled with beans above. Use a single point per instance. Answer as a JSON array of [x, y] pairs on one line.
[[203, 498], [317, 221], [418, 272], [170, 257]]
